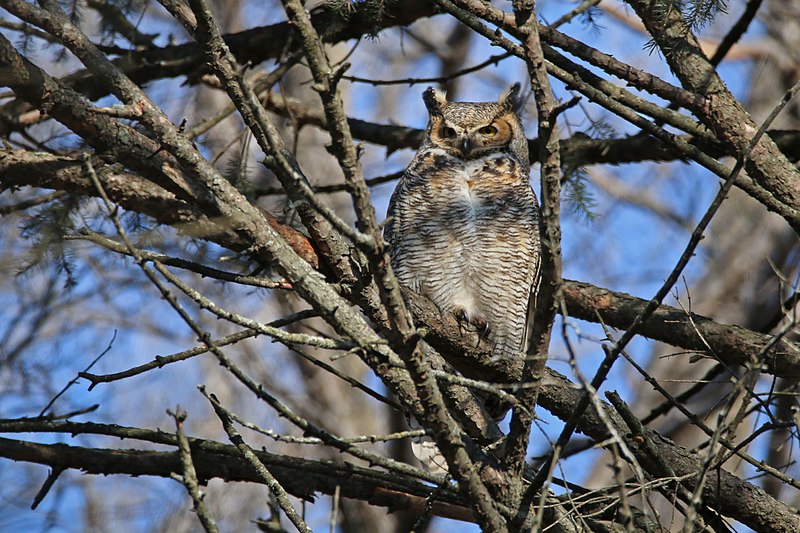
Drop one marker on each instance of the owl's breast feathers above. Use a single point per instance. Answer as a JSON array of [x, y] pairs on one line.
[[449, 210], [479, 188], [465, 234]]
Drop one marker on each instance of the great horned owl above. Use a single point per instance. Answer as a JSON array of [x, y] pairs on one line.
[[463, 226]]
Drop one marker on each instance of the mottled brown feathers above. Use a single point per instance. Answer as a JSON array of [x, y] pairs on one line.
[[463, 223], [464, 219]]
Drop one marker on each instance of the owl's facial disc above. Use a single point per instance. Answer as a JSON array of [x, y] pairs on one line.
[[471, 140], [483, 139]]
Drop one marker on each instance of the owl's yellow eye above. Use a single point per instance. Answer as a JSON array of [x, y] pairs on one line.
[[488, 131], [448, 132]]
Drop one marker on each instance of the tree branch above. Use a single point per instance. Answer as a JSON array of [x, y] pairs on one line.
[[722, 113], [250, 46], [302, 478]]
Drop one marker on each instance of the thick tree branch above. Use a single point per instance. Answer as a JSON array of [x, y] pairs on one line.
[[547, 295], [250, 46], [20, 168], [106, 134], [722, 113], [302, 478], [326, 79], [579, 150], [215, 196], [730, 344], [722, 491]]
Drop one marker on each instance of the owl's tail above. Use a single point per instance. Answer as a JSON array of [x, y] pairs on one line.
[[507, 345]]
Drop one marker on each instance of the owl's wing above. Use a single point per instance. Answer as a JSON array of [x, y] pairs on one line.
[[536, 265], [391, 214], [394, 228]]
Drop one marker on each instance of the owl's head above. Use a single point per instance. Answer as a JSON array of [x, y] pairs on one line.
[[470, 130]]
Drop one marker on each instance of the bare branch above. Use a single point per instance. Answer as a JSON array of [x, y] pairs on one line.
[[189, 477]]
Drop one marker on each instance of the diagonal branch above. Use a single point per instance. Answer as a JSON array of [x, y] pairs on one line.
[[722, 113], [326, 80], [723, 491], [250, 46], [258, 466]]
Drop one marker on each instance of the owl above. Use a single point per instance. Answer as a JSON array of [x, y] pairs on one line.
[[462, 223]]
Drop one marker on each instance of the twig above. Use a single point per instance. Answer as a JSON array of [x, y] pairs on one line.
[[310, 429], [277, 334], [335, 509], [422, 520], [160, 360], [577, 10], [71, 414], [350, 380], [197, 268], [80, 374], [538, 518], [32, 202], [548, 293], [262, 82], [485, 386], [400, 435], [259, 467], [332, 188], [189, 477], [46, 486], [493, 60]]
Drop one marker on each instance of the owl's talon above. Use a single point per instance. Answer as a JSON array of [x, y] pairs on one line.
[[461, 316], [478, 321], [481, 324], [461, 313]]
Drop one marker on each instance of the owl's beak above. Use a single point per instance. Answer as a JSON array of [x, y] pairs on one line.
[[465, 146]]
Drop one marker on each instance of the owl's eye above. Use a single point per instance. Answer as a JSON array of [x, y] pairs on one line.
[[448, 132], [488, 131]]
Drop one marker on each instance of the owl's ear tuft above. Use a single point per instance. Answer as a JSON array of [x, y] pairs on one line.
[[434, 100], [511, 99]]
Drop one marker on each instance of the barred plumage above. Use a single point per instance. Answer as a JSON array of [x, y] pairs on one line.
[[463, 226]]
